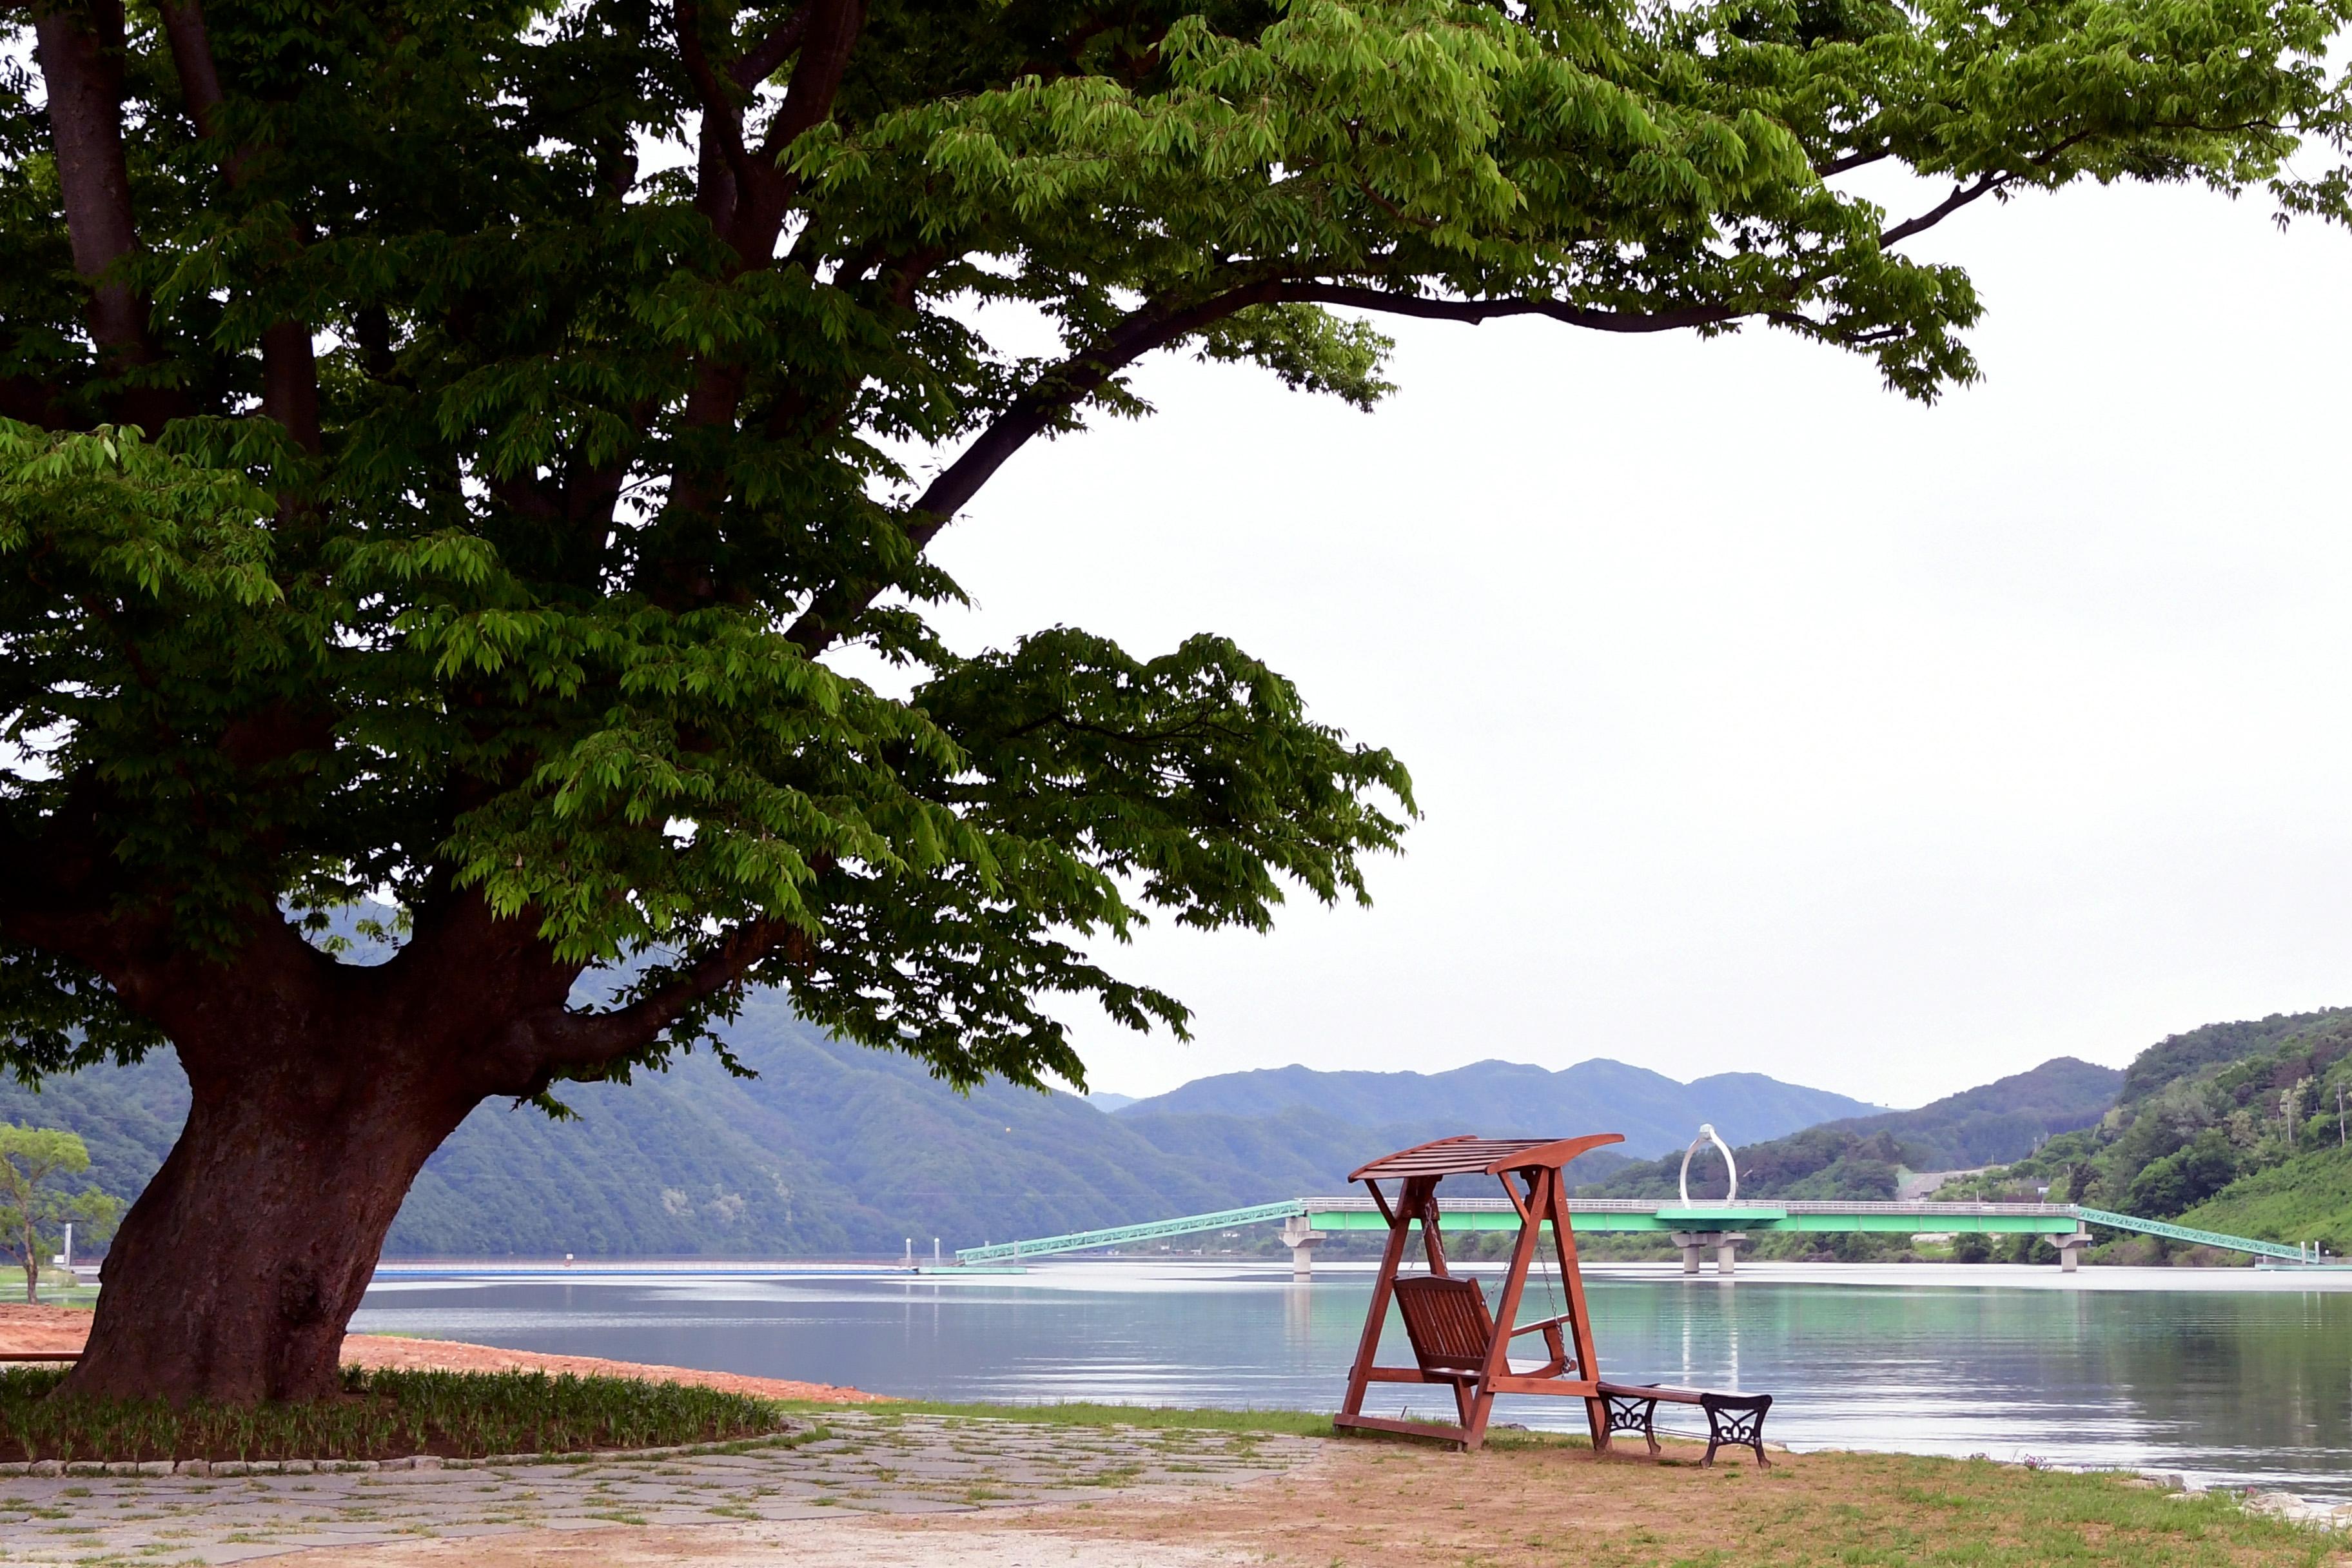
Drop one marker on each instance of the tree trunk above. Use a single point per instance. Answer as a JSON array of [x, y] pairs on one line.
[[234, 1274]]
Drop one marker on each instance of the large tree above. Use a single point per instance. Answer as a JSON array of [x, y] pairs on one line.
[[453, 444]]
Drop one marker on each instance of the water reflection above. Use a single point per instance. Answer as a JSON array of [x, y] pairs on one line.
[[2238, 1377]]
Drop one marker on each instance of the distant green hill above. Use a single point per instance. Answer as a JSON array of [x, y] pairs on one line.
[[2185, 1055], [2003, 1120], [2233, 1127], [1863, 1157]]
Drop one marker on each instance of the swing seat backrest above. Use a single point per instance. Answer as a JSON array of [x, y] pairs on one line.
[[1447, 1321]]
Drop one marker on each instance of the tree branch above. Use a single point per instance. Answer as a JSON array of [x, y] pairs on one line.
[[1986, 184], [1155, 326], [1861, 160], [762, 59], [191, 57], [563, 1040], [1961, 196], [827, 43], [1474, 312], [722, 110], [79, 50], [290, 368], [1046, 399]]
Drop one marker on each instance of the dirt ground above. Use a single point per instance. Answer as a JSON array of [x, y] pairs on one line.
[[806, 1543], [1373, 1504], [27, 1328]]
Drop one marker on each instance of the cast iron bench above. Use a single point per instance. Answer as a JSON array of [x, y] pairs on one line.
[[1733, 1420]]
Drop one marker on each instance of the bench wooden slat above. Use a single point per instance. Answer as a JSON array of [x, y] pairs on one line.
[[1665, 1393], [1447, 1321]]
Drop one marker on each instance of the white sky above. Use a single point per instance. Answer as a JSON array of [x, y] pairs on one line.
[[1762, 719]]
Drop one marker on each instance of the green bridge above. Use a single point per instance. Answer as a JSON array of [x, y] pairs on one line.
[[1695, 1228]]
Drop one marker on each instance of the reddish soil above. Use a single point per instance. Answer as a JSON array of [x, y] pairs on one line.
[[29, 1328]]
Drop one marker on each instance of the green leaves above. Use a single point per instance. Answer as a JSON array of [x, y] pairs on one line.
[[134, 519], [1309, 348], [556, 393], [1197, 774]]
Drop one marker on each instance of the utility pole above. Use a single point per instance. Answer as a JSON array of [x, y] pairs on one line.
[[2340, 1140]]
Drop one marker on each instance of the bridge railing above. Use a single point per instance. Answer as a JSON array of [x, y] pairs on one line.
[[2199, 1237], [1113, 1235], [1925, 1210]]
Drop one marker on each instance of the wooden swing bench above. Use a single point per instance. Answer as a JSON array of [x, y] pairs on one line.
[[1458, 1342]]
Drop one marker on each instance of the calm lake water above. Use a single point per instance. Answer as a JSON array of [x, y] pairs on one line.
[[2235, 1377]]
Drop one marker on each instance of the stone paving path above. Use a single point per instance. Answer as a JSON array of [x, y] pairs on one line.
[[872, 1462]]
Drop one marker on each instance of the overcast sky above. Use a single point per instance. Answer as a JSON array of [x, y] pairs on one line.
[[1761, 718]]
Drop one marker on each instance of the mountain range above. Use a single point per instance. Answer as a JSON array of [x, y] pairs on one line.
[[1516, 1098], [838, 1150]]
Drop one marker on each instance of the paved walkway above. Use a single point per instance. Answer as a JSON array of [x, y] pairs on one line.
[[874, 1462]]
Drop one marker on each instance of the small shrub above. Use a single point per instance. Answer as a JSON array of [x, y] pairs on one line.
[[382, 1414]]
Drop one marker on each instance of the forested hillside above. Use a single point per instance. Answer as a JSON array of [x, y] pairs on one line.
[[2004, 1120], [832, 1150], [1863, 1157], [2244, 1128]]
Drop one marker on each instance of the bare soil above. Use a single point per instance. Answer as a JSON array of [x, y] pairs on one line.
[[1373, 1504], [1382, 1504], [25, 1328], [802, 1544]]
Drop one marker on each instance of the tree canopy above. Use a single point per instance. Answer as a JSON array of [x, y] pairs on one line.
[[447, 438], [531, 394]]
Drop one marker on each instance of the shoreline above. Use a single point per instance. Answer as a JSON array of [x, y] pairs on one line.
[[43, 1329], [1874, 1275]]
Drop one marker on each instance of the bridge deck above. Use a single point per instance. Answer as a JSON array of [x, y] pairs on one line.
[[1618, 1215], [1635, 1215]]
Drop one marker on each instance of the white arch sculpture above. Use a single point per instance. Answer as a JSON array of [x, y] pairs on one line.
[[1707, 1134]]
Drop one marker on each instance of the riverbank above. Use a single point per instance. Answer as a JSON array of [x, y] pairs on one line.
[[882, 1483], [27, 1329]]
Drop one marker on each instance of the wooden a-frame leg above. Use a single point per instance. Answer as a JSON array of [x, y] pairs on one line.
[[1368, 1350], [1506, 1307], [1588, 1359]]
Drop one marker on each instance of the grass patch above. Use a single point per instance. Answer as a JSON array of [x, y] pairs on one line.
[[381, 1414], [2308, 1198], [1301, 1423], [1407, 1505], [1834, 1510]]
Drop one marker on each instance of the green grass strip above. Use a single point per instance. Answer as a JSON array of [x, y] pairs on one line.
[[1080, 1413], [383, 1412]]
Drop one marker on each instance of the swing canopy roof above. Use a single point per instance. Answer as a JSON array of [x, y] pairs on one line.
[[1468, 1155]]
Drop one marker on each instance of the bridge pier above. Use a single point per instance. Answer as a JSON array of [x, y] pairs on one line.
[[1696, 1243], [2070, 1248], [1302, 1242]]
